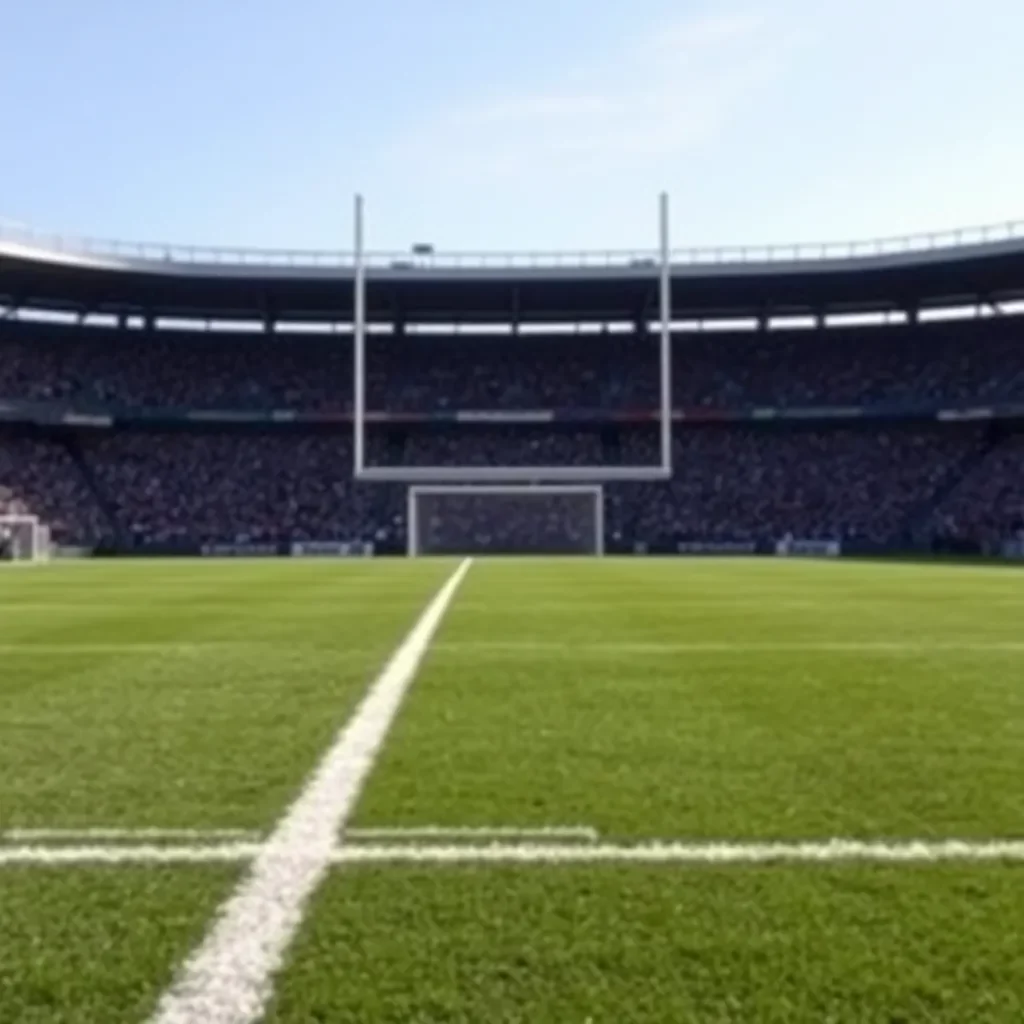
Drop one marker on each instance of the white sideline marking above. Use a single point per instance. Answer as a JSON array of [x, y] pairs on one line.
[[834, 851], [229, 978], [584, 647], [203, 647], [104, 834], [62, 856], [114, 835], [575, 649], [144, 646], [568, 832]]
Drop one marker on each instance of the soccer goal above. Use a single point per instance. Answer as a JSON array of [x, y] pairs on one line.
[[23, 538], [506, 519]]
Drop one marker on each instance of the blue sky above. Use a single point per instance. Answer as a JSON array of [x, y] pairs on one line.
[[542, 124]]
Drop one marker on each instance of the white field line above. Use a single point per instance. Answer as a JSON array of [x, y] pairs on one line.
[[582, 647], [512, 649], [199, 647], [136, 835], [415, 833], [229, 978], [581, 833], [67, 856], [141, 647], [834, 851]]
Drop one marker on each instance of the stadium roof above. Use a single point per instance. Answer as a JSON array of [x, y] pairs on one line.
[[915, 272]]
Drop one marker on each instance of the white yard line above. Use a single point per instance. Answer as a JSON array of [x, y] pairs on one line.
[[833, 851], [583, 647], [413, 833], [197, 647], [135, 835], [67, 856], [582, 833], [683, 854], [513, 648], [229, 978]]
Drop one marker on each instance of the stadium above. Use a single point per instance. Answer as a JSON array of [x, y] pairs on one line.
[[622, 636]]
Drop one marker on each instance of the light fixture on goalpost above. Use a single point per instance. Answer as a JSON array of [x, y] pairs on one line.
[[660, 470]]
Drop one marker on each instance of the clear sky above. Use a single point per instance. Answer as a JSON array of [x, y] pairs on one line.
[[537, 124]]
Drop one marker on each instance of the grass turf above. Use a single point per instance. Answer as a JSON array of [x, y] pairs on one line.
[[98, 945], [570, 945], [719, 701], [188, 696], [701, 699]]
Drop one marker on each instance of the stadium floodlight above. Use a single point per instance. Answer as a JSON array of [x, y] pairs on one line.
[[660, 470], [29, 538], [505, 519]]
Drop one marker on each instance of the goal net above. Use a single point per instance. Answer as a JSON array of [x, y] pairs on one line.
[[506, 519], [23, 538]]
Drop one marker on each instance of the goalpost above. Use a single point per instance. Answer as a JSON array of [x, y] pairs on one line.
[[656, 272], [512, 509], [23, 538], [505, 519]]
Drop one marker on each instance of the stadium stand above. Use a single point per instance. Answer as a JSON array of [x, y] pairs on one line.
[[882, 437], [970, 361], [986, 505], [39, 476], [731, 485]]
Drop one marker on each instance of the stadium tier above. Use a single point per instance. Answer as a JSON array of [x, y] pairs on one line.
[[872, 402]]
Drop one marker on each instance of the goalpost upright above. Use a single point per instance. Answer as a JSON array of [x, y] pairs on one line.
[[516, 482], [660, 470], [665, 335], [359, 342]]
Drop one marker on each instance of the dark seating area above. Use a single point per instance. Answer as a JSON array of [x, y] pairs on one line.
[[943, 362], [869, 484], [730, 484]]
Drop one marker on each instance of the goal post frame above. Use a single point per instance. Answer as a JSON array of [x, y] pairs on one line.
[[415, 491], [661, 271], [40, 542]]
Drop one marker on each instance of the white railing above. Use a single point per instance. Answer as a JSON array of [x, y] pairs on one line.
[[311, 258]]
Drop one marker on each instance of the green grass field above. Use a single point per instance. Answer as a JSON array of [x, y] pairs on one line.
[[694, 702]]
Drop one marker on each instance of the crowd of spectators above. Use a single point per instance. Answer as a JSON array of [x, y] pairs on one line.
[[241, 488], [942, 362], [987, 504], [41, 478], [734, 484], [730, 484]]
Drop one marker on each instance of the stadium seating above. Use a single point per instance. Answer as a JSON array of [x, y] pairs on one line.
[[730, 485], [987, 503], [40, 477], [939, 362], [871, 485]]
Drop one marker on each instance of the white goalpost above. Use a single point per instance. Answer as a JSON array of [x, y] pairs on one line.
[[505, 519], [657, 272], [511, 509], [23, 538]]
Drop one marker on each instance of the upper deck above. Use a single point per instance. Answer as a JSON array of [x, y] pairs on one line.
[[910, 272]]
